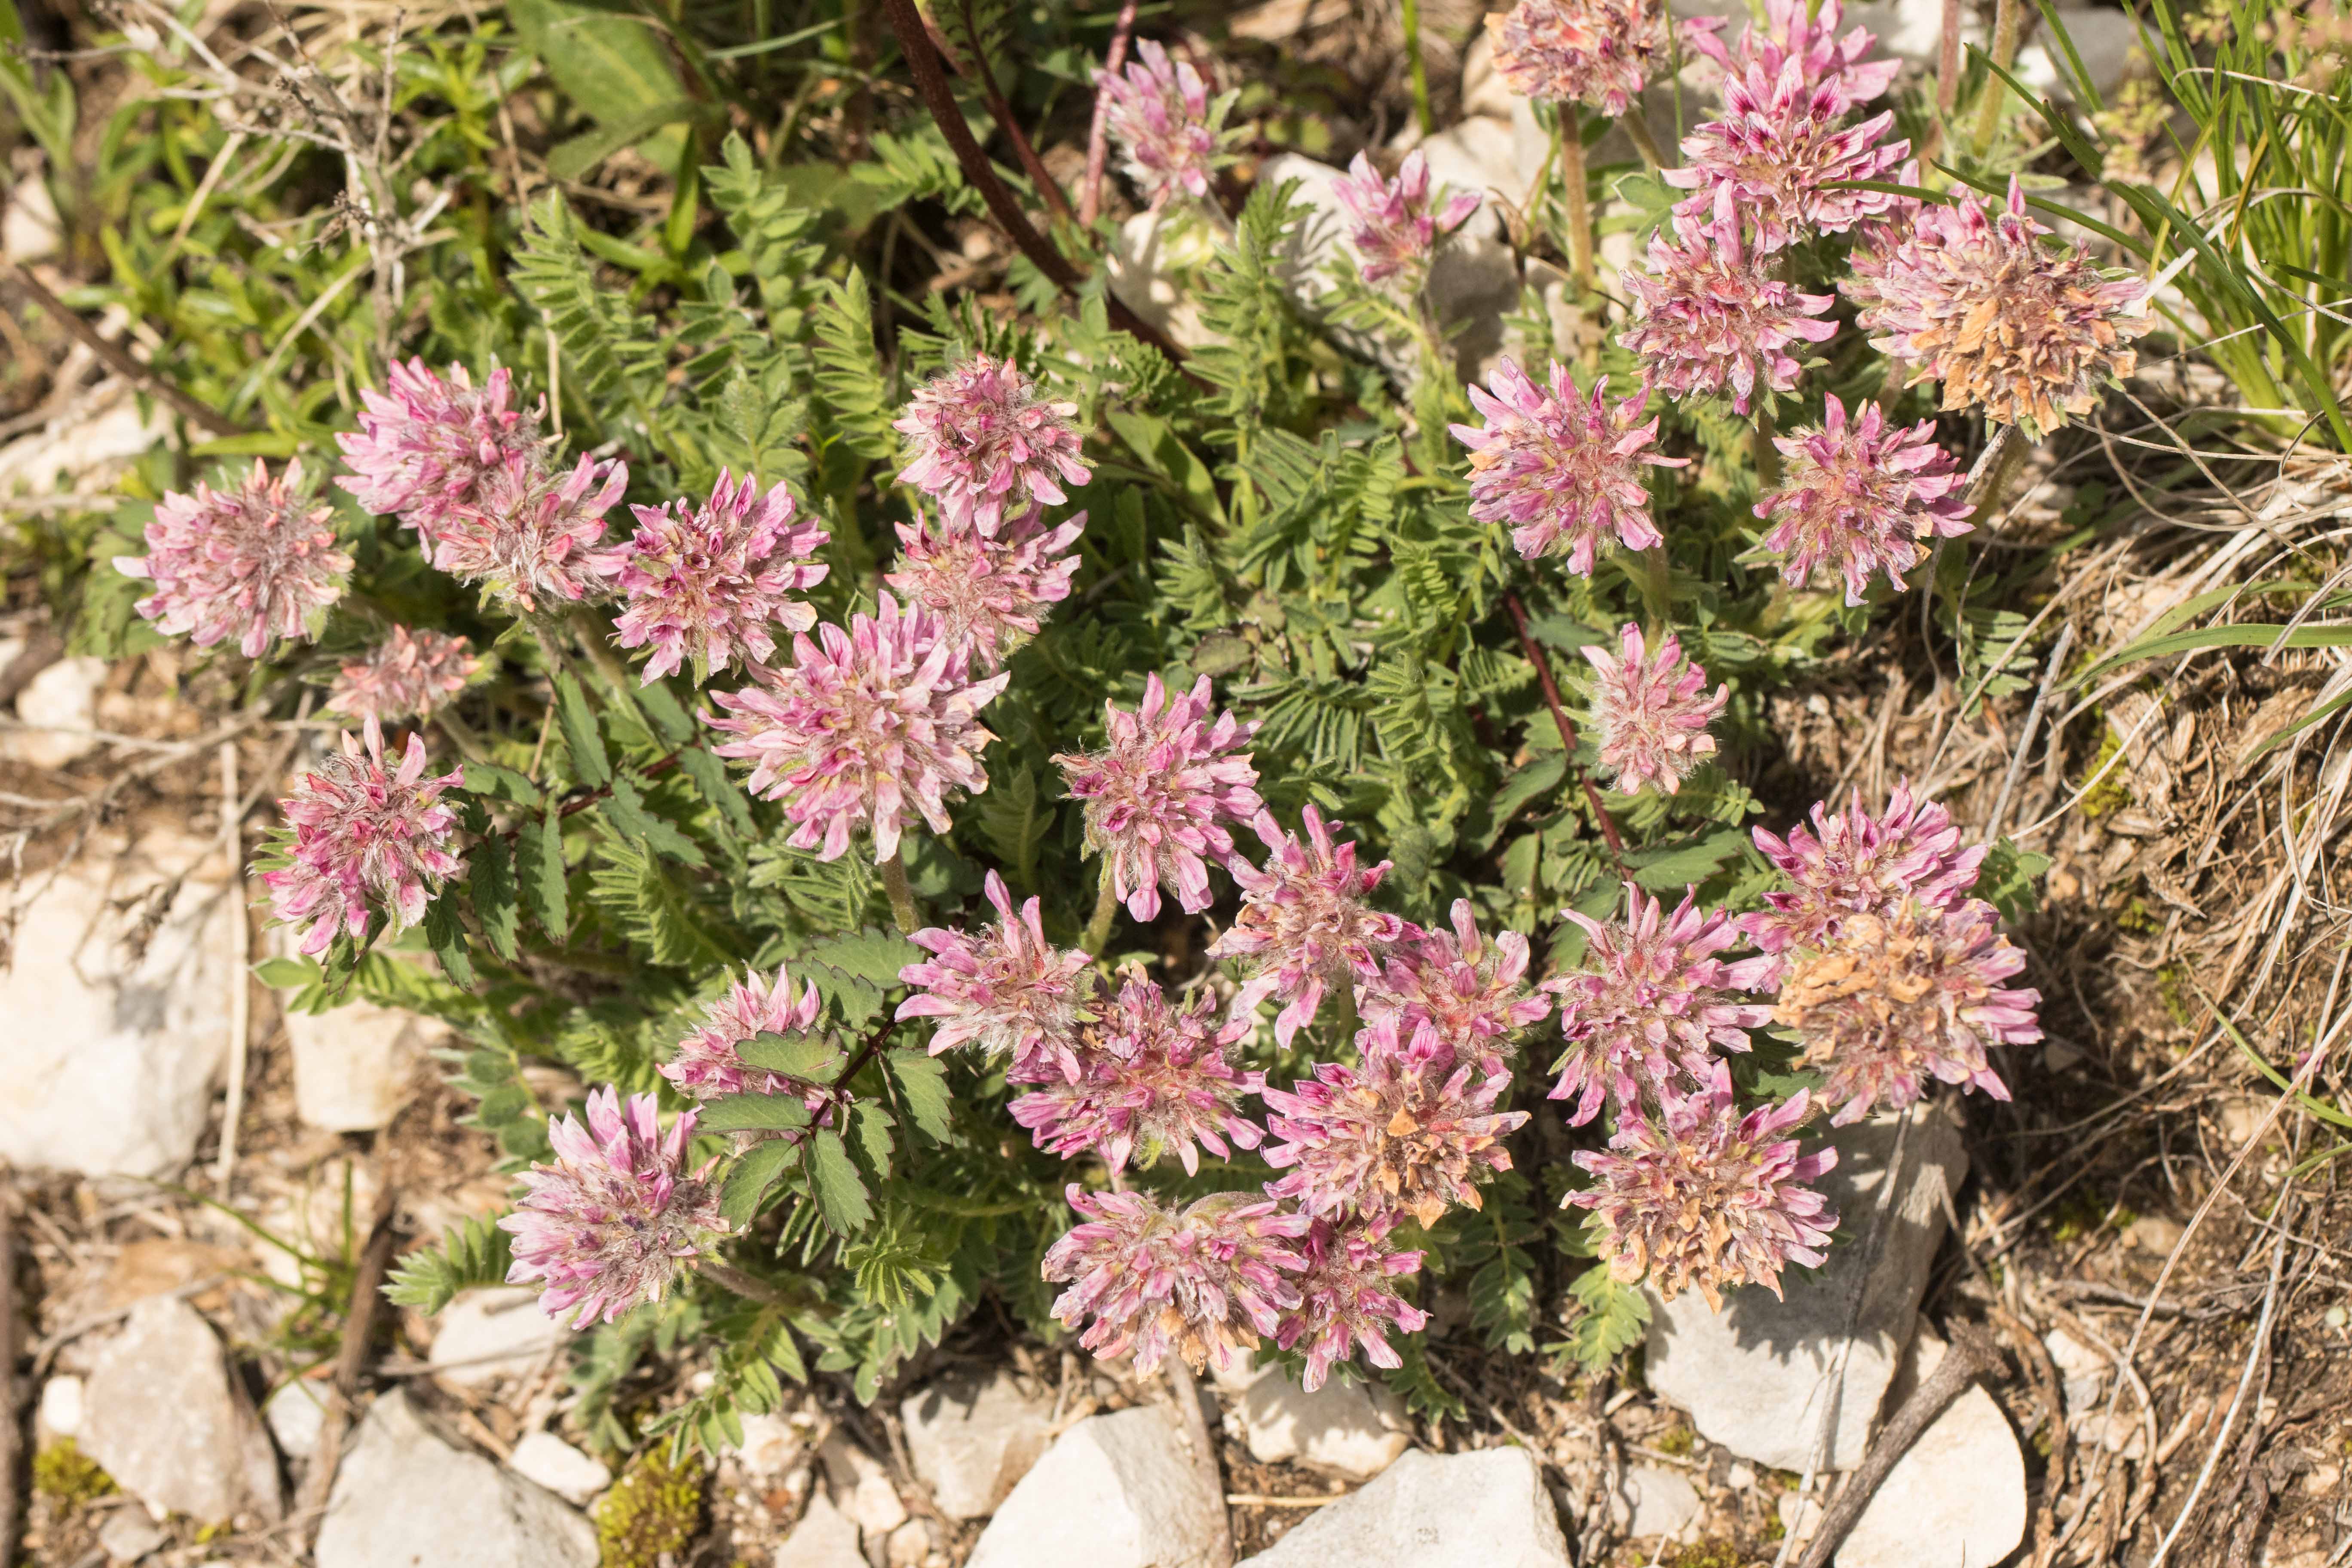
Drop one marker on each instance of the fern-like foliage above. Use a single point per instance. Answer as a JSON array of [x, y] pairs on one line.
[[470, 1253], [607, 355], [854, 394]]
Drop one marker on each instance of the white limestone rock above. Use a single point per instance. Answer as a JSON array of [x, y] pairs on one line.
[[971, 1440], [62, 1406], [1115, 1491], [64, 696], [1957, 1500], [297, 1415], [1483, 1509], [355, 1066], [406, 1498], [486, 1335], [109, 1053], [547, 1461], [861, 1486], [1353, 1430], [825, 1538], [166, 1422], [1754, 1377], [1652, 1501], [129, 1535]]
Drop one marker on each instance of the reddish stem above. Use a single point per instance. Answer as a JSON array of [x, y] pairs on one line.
[[1099, 138], [1567, 726], [931, 82], [1001, 110]]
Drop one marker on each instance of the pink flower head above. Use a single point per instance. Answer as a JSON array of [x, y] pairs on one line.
[[1160, 116], [990, 594], [1652, 712], [1852, 863], [1395, 231], [1862, 498], [1472, 992], [1709, 314], [1779, 153], [256, 562], [1702, 1197], [616, 1218], [364, 833], [1899, 999], [1304, 924], [1408, 1133], [705, 583], [530, 534], [984, 442], [1008, 990], [1152, 1077], [1973, 299], [1600, 53], [1204, 1281], [1652, 999], [708, 1063], [1344, 1299], [1159, 794], [424, 444], [1823, 59], [1564, 469], [407, 675], [865, 724]]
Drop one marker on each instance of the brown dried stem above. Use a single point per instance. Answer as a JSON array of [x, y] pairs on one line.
[[121, 363]]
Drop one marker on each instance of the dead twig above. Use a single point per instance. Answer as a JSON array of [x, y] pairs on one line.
[[1968, 1356], [119, 361], [1204, 1456], [1566, 725], [351, 1355], [11, 1403]]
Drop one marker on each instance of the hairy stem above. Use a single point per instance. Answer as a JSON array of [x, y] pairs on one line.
[[1570, 139], [1657, 592], [1420, 115], [1636, 122], [1567, 726], [1947, 59], [1106, 911], [1098, 135], [902, 897], [462, 736], [2007, 19], [1768, 456], [728, 1277]]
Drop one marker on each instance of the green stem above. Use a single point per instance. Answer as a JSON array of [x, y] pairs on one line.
[[1636, 122], [462, 736], [1657, 591], [1350, 1020], [1569, 140], [2001, 472], [1768, 456], [607, 665], [2006, 24], [902, 897], [730, 1278], [1420, 115], [1106, 911]]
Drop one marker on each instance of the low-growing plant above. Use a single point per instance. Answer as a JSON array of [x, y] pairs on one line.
[[904, 813]]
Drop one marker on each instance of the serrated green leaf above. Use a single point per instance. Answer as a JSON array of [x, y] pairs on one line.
[[839, 1190], [854, 1000], [923, 1081], [748, 1182], [1673, 869], [710, 778], [625, 809], [871, 954], [1015, 822], [581, 736], [444, 932], [1615, 1317], [470, 1253], [804, 1057], [539, 865], [286, 974], [671, 720], [2006, 879], [872, 1124], [500, 783], [490, 880], [753, 1113]]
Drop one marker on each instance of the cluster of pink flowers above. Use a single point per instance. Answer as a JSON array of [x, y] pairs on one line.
[[1160, 115], [1396, 233], [1460, 990], [1861, 497], [1709, 314], [990, 594], [1204, 1281], [532, 534], [406, 676], [863, 726], [1970, 296], [256, 563], [1652, 711], [424, 445], [1563, 467], [708, 1063], [364, 835], [616, 1219], [1303, 925], [1159, 793], [986, 443], [1008, 990], [705, 583], [1600, 53], [1852, 863]]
